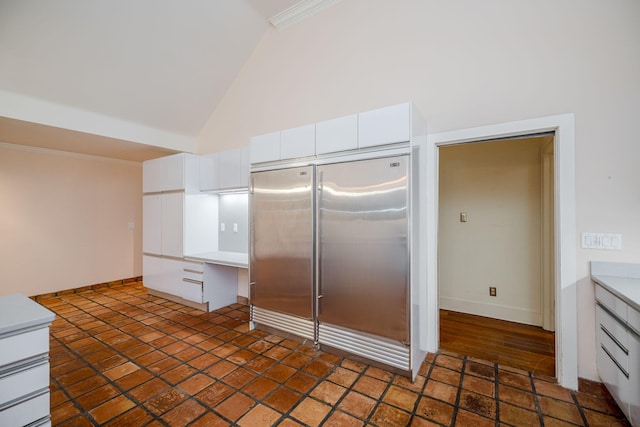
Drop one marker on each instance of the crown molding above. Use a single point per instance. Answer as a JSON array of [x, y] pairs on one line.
[[299, 12]]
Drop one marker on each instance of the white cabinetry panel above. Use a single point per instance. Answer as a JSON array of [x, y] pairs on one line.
[[233, 168], [298, 142], [172, 224], [172, 276], [152, 272], [23, 382], [265, 148], [335, 135], [152, 176], [23, 346], [634, 378], [385, 126], [208, 172], [152, 224]]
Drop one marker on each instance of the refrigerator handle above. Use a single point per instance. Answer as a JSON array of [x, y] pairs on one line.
[[319, 189]]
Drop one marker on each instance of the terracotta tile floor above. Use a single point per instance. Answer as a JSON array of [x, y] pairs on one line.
[[120, 357]]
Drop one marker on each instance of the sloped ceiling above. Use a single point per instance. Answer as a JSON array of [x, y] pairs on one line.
[[148, 72]]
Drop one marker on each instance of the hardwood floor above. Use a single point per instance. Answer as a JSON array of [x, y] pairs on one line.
[[522, 346]]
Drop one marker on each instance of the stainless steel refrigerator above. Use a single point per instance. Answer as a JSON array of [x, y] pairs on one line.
[[330, 252], [363, 254]]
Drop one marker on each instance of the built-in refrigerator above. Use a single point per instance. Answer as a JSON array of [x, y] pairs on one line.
[[330, 255]]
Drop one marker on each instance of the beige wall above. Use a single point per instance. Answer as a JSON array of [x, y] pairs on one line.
[[498, 186], [468, 63], [64, 220]]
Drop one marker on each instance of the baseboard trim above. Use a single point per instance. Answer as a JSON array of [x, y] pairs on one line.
[[112, 284], [502, 312]]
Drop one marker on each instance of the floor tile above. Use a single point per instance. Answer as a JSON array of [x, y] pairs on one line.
[[311, 412], [122, 357]]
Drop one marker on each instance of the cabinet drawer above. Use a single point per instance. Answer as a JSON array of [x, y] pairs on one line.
[[192, 275], [27, 411], [613, 303], [23, 346], [23, 382], [606, 324], [634, 320], [192, 291], [618, 354], [193, 266]]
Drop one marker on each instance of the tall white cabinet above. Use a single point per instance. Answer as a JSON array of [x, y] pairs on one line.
[[167, 183], [180, 209]]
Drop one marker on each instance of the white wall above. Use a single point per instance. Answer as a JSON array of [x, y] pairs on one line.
[[467, 63], [498, 186], [64, 220]]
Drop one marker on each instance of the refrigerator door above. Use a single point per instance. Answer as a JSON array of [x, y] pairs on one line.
[[282, 245], [363, 258]]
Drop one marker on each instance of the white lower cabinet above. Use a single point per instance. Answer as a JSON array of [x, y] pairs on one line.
[[24, 362], [618, 351]]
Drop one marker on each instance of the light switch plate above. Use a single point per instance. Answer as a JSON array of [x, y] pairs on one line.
[[222, 226], [606, 241]]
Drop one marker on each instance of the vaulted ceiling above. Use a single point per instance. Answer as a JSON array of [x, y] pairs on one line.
[[119, 78]]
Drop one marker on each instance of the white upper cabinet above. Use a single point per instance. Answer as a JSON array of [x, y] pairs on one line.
[[265, 148], [385, 126], [389, 125], [298, 142], [176, 172], [209, 165], [335, 135], [233, 168]]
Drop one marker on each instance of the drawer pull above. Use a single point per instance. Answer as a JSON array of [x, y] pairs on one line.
[[614, 339], [195, 282], [625, 373]]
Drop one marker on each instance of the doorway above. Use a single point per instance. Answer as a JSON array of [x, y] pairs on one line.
[[565, 235], [495, 251]]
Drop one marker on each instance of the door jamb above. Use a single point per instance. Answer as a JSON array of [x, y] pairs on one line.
[[565, 231]]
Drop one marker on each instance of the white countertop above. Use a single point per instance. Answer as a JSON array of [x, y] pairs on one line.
[[623, 280], [18, 313], [233, 259]]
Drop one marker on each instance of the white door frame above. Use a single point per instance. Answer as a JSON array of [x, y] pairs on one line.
[[565, 230]]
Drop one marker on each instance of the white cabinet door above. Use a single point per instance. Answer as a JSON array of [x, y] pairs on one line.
[[298, 142], [233, 169], [173, 172], [385, 126], [152, 175], [172, 276], [152, 224], [335, 135], [172, 224], [265, 148], [208, 170], [152, 272]]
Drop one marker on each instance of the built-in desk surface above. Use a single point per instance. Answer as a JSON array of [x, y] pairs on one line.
[[232, 259]]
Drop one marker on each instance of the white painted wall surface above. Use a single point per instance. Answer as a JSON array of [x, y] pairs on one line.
[[497, 186], [64, 220], [466, 64]]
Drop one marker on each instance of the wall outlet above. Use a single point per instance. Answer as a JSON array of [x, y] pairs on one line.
[[492, 291], [222, 226]]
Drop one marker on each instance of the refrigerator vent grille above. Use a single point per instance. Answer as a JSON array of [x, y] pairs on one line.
[[365, 345], [295, 325]]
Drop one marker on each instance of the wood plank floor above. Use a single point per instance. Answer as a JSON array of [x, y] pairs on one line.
[[514, 344]]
